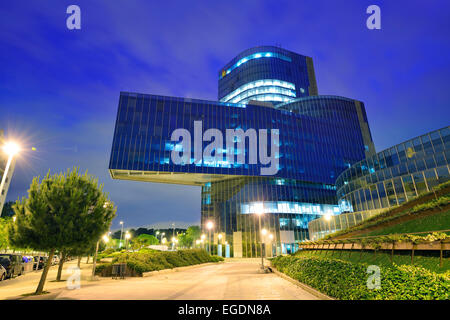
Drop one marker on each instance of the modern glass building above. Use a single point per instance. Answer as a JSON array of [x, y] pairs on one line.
[[267, 73], [311, 140], [388, 179]]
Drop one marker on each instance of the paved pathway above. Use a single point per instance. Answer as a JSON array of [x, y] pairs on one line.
[[230, 280], [234, 279]]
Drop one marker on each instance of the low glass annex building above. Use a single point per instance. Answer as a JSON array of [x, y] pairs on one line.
[[267, 94], [387, 179]]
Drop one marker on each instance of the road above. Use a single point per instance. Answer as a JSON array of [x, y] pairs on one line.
[[238, 279]]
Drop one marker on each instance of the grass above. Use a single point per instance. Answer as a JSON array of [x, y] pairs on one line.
[[435, 222], [424, 259]]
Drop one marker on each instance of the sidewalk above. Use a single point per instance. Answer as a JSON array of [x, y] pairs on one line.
[[27, 283]]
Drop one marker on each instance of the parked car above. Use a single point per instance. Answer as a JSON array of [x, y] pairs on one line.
[[39, 262], [2, 273], [12, 263]]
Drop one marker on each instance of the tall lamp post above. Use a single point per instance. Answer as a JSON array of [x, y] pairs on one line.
[[11, 149], [203, 240], [209, 226], [127, 238], [121, 233], [105, 238], [161, 235], [260, 212]]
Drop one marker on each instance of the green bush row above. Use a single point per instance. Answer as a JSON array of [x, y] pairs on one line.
[[391, 238], [147, 260], [348, 281]]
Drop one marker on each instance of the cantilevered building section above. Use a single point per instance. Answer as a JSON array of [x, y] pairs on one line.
[[263, 88]]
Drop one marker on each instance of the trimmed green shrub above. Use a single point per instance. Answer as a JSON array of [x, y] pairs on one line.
[[348, 281], [147, 260]]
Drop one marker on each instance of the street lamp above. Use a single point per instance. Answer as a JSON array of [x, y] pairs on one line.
[[209, 226], [11, 149], [260, 212], [174, 240], [127, 237], [327, 218], [105, 238], [121, 233]]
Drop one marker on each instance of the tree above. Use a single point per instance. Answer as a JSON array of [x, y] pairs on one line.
[[4, 239], [61, 212], [192, 233], [7, 210]]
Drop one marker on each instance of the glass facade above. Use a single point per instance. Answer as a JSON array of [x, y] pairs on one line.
[[317, 138], [391, 177], [287, 75]]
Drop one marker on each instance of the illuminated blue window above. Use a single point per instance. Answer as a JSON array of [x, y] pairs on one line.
[[289, 207], [262, 90], [256, 56]]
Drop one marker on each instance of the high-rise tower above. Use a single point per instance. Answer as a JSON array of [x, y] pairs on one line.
[[267, 73]]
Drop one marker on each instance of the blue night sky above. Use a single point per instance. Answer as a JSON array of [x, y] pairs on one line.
[[59, 88]]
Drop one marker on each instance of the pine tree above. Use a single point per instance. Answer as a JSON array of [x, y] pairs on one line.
[[63, 212]]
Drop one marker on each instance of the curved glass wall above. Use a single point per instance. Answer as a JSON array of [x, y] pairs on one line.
[[397, 174], [267, 63], [257, 55], [387, 179]]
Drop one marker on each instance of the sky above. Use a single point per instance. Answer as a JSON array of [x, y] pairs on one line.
[[59, 88]]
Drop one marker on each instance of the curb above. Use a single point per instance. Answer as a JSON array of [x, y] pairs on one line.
[[305, 287], [164, 271]]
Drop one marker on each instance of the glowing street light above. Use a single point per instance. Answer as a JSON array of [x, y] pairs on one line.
[[121, 233], [259, 208], [127, 238], [209, 226], [105, 238], [11, 149]]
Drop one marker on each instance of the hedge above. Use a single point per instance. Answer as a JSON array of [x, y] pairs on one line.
[[348, 281], [147, 260]]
